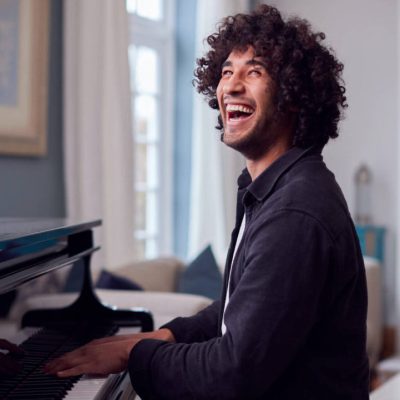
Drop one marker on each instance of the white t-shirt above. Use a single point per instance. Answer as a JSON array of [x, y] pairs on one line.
[[239, 239]]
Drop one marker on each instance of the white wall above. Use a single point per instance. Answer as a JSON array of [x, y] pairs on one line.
[[364, 36]]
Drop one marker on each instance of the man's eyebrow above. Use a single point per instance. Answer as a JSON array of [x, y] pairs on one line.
[[253, 61], [256, 62]]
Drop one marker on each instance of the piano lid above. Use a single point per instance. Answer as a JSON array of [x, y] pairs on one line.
[[18, 231], [32, 247]]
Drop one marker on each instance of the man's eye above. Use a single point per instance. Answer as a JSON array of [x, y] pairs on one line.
[[255, 72], [226, 72]]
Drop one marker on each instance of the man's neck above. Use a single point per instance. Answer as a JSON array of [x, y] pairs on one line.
[[282, 144], [256, 167]]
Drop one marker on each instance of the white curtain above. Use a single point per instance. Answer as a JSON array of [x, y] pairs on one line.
[[214, 167], [97, 124]]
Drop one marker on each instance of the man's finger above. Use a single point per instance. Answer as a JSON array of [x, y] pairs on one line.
[[74, 371], [63, 363]]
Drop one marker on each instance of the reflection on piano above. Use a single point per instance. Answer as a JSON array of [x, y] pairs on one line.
[[29, 249]]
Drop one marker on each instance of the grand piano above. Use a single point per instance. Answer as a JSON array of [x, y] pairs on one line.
[[32, 248]]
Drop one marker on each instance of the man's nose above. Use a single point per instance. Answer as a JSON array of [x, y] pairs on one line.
[[233, 85]]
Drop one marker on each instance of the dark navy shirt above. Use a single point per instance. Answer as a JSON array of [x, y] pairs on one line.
[[296, 318]]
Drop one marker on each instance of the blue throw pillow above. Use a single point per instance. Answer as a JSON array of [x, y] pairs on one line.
[[108, 280], [202, 276]]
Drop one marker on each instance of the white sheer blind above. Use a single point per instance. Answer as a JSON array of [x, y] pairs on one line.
[[97, 125]]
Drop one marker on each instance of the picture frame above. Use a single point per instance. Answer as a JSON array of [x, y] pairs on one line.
[[24, 39]]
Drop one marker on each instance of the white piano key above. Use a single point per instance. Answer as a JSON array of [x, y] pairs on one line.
[[86, 388], [116, 386]]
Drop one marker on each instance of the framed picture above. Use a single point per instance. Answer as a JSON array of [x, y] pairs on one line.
[[24, 38]]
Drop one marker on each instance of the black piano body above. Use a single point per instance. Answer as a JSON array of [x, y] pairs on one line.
[[30, 248]]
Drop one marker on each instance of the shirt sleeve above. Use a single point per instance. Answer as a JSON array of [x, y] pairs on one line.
[[198, 328], [270, 313]]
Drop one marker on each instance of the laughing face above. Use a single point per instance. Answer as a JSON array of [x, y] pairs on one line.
[[245, 98]]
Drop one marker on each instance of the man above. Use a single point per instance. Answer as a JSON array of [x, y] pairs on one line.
[[291, 322]]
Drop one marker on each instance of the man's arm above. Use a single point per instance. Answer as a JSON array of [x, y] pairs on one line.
[[110, 355], [102, 356], [198, 328], [269, 315]]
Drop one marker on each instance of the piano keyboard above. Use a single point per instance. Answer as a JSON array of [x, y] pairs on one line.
[[42, 345], [113, 387]]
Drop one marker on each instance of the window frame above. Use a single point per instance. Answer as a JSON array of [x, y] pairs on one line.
[[160, 35]]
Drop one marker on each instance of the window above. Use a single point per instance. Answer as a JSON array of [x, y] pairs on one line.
[[151, 58]]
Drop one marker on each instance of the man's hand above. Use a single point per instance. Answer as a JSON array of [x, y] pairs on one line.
[[9, 365], [102, 356]]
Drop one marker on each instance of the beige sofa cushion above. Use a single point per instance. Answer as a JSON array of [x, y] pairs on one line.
[[160, 274]]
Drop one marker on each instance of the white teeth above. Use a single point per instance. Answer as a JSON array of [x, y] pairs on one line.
[[239, 107]]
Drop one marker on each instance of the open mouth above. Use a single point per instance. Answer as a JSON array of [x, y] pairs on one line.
[[238, 112]]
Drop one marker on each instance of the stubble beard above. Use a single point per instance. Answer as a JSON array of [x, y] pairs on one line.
[[257, 142]]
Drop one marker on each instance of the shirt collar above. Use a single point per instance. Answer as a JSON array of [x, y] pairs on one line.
[[265, 182]]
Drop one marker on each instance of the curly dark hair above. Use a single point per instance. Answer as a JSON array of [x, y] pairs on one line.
[[306, 73]]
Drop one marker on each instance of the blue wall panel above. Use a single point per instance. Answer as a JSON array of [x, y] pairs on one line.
[[34, 186]]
